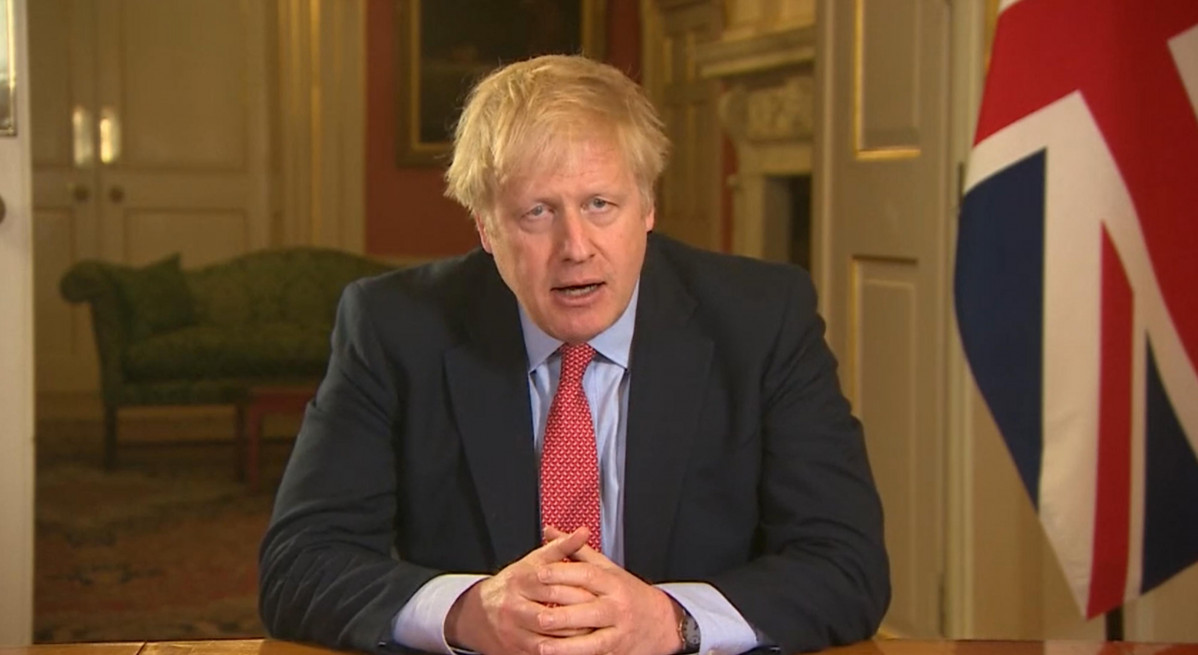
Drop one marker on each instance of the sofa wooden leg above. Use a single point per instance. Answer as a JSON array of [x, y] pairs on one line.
[[110, 425]]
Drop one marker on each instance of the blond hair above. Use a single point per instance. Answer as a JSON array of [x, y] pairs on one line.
[[531, 112]]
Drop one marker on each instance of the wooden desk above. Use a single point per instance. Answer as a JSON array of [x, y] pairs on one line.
[[911, 647], [130, 648], [883, 647]]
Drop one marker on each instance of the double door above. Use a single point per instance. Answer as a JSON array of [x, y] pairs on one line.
[[150, 136], [884, 207]]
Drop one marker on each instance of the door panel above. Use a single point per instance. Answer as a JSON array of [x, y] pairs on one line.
[[211, 236], [888, 82], [882, 210], [172, 74], [884, 356], [179, 85]]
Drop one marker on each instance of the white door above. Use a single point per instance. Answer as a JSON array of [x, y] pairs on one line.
[[62, 34], [883, 194], [16, 343], [153, 139]]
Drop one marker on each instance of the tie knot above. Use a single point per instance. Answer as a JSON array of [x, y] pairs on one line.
[[575, 358]]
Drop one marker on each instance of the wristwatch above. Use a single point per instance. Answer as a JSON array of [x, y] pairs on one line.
[[688, 631]]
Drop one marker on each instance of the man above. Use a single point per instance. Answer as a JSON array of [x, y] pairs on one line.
[[583, 438]]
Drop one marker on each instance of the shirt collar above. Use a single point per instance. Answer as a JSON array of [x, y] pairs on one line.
[[614, 343]]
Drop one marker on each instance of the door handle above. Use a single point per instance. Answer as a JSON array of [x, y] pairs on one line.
[[3, 209], [80, 192], [116, 194]]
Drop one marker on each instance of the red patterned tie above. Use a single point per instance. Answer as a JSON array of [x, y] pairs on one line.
[[569, 464]]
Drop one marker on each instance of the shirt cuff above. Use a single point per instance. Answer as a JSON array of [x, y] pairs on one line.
[[722, 630], [420, 623]]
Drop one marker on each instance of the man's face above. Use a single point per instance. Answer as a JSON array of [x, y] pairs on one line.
[[570, 241]]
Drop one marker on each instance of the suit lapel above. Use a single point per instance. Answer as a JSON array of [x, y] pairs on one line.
[[488, 385], [670, 365]]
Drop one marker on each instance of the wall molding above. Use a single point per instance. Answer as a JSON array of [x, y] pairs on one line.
[[767, 109]]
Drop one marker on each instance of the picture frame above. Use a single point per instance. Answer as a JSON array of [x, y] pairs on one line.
[[444, 46]]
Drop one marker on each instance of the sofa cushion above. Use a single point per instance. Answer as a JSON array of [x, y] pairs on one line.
[[154, 298], [207, 352]]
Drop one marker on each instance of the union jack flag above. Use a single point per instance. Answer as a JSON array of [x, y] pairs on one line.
[[1077, 280]]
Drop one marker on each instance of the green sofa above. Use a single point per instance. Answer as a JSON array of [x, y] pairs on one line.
[[167, 336]]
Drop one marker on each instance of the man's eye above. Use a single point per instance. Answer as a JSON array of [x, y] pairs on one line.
[[597, 203], [537, 211]]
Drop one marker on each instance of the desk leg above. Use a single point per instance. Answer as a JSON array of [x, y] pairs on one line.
[[239, 443], [110, 427], [254, 440]]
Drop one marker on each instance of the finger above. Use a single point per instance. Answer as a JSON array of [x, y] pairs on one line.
[[584, 553], [563, 545], [559, 595], [572, 617], [514, 610], [566, 632], [595, 579], [552, 533], [587, 554], [597, 641]]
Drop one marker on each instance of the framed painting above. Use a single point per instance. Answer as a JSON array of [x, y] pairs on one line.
[[444, 46]]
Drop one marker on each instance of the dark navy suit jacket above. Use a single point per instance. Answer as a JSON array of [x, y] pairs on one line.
[[744, 467]]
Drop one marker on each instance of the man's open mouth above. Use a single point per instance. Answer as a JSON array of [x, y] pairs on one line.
[[577, 289]]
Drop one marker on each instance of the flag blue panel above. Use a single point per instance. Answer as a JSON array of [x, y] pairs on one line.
[[999, 295], [1170, 487]]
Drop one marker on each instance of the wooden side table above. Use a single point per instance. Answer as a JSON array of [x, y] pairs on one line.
[[259, 402]]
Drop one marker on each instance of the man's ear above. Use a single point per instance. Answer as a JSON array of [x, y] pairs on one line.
[[480, 225], [650, 218]]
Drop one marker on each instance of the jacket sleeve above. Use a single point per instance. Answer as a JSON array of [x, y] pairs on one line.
[[327, 573], [822, 577]]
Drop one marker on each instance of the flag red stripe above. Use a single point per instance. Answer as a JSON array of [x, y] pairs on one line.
[[1029, 66], [1117, 55], [1108, 575]]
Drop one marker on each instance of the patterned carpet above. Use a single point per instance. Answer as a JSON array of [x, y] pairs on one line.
[[165, 547]]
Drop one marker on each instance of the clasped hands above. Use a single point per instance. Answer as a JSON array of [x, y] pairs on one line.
[[564, 598]]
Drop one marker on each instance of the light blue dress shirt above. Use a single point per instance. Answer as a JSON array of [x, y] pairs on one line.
[[420, 623]]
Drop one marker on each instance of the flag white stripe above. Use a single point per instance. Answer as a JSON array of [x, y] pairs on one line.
[[1072, 348], [1071, 266], [1006, 4]]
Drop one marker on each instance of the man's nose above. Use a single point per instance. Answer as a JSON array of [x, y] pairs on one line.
[[574, 239]]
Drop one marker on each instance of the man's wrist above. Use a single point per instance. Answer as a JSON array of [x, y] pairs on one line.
[[420, 623], [458, 618], [676, 643], [688, 632], [725, 630]]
